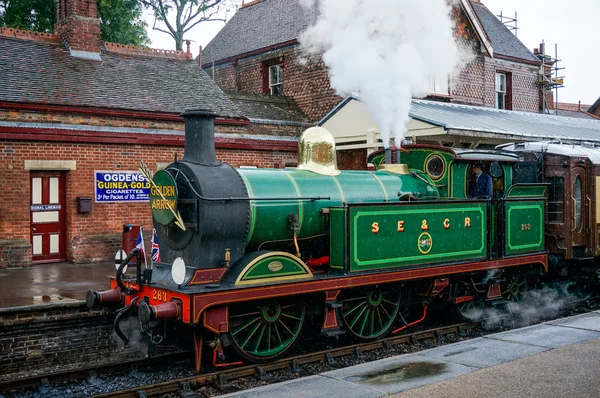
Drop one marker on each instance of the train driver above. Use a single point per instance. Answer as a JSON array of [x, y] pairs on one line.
[[481, 186]]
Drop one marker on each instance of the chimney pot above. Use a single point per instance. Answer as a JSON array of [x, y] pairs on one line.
[[200, 56], [79, 27], [188, 52]]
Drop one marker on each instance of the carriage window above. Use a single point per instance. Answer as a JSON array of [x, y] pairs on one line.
[[555, 199], [577, 196]]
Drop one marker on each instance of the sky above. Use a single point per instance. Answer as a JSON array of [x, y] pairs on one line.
[[567, 23]]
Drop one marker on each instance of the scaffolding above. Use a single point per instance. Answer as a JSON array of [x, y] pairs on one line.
[[549, 78], [510, 23]]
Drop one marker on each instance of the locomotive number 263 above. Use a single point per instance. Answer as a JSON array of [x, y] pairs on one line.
[[159, 295]]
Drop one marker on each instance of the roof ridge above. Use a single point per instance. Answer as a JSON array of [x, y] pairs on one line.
[[251, 3], [41, 37], [146, 51]]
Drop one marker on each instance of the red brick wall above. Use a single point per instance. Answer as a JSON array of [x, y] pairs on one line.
[[94, 236], [90, 120], [59, 338], [224, 77], [305, 80]]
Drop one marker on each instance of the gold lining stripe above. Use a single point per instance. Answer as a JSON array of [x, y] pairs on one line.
[[298, 195], [385, 195], [342, 282], [252, 207], [339, 186], [248, 267]]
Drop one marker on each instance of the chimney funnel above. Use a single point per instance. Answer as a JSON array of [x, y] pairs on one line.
[[200, 137], [388, 155]]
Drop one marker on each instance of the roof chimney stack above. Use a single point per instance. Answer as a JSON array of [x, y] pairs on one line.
[[79, 27]]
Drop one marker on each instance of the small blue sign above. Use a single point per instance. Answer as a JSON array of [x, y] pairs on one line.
[[121, 186]]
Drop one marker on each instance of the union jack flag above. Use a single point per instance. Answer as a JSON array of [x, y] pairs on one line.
[[155, 248]]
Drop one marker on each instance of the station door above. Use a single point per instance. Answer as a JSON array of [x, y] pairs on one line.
[[47, 207]]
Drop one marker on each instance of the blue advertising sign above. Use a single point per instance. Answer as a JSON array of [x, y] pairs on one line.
[[121, 186]]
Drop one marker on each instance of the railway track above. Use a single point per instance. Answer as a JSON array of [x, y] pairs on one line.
[[221, 379], [43, 381]]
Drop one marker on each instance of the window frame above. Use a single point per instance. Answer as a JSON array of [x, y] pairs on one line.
[[431, 84], [578, 203], [499, 91], [559, 200], [270, 82]]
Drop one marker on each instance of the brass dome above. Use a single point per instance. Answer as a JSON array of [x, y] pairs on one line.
[[316, 152]]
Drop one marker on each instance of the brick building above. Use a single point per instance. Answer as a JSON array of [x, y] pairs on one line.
[[71, 106], [595, 108], [258, 51]]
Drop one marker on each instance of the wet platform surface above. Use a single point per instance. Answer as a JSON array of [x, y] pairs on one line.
[[52, 283], [559, 358]]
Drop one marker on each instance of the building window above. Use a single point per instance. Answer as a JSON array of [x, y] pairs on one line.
[[501, 91], [276, 80], [435, 85], [555, 199], [578, 203]]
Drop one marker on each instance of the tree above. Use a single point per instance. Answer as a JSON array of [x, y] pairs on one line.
[[187, 14], [120, 20], [37, 15]]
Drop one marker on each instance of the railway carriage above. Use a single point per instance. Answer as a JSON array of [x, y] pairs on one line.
[[251, 256], [572, 173]]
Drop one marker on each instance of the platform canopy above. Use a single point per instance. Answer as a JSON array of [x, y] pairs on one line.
[[457, 125]]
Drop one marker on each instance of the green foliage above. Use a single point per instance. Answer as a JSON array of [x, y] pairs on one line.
[[121, 21], [37, 15]]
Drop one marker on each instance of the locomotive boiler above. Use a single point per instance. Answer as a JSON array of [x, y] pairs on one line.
[[248, 256]]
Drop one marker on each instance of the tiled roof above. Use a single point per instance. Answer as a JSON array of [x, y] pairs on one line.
[[268, 107], [578, 114], [569, 106], [503, 41], [270, 22], [35, 72], [259, 25]]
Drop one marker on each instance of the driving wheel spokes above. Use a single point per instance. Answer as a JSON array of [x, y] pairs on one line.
[[265, 330], [468, 303], [369, 314], [514, 288]]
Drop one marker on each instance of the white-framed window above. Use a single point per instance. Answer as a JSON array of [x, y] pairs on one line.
[[500, 90], [276, 79], [435, 85]]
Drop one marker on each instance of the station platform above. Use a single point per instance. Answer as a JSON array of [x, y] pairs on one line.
[[559, 358], [52, 283]]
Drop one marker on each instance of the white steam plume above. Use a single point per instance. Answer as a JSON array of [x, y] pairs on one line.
[[384, 50]]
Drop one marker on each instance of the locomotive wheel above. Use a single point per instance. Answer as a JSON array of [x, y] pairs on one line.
[[370, 313], [470, 310], [514, 288], [266, 330]]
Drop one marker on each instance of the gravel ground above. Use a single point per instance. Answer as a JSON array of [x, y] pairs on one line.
[[545, 306]]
